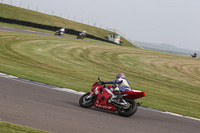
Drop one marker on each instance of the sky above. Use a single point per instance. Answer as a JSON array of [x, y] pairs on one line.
[[175, 22]]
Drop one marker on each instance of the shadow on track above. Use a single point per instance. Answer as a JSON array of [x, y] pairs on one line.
[[76, 104]]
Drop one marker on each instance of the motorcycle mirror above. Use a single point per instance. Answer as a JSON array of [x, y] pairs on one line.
[[99, 78]]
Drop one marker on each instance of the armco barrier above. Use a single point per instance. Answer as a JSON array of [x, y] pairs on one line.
[[47, 27]]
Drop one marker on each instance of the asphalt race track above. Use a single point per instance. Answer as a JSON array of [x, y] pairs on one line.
[[39, 33], [52, 110], [29, 31], [42, 107]]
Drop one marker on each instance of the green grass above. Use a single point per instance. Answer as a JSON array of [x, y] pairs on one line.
[[12, 12], [171, 82], [12, 128]]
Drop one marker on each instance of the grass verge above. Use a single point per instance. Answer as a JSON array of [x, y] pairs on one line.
[[171, 82], [12, 128]]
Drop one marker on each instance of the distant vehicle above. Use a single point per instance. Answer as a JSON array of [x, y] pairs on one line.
[[60, 31], [102, 97], [114, 38], [194, 55], [81, 35]]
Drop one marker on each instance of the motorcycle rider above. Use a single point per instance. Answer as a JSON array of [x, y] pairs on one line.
[[123, 84], [81, 35], [62, 30], [83, 32]]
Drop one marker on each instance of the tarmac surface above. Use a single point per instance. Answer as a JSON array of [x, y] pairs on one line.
[[42, 107], [40, 33]]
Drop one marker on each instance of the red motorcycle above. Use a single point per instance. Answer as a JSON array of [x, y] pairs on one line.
[[104, 97]]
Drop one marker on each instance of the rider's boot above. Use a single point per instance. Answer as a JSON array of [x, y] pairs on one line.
[[119, 96]]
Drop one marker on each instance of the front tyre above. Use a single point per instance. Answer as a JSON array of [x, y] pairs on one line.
[[87, 102], [128, 110]]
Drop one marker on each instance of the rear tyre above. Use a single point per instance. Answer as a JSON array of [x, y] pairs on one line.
[[86, 103], [129, 110]]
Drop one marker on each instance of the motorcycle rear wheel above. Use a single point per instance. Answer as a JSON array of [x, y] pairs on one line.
[[128, 111], [86, 103]]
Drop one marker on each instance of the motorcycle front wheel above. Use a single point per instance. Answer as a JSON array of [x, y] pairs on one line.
[[86, 102], [128, 110]]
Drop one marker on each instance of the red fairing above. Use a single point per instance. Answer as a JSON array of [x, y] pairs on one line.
[[102, 97], [95, 84], [135, 94]]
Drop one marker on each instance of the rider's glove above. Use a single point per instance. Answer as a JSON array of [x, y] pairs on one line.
[[114, 86], [103, 83]]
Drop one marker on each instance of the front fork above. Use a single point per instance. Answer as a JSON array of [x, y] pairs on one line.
[[90, 95]]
